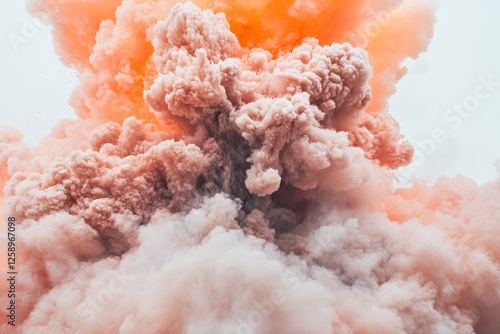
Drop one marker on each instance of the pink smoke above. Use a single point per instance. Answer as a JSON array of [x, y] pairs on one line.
[[216, 185]]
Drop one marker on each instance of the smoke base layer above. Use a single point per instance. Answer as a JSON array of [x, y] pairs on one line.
[[230, 174]]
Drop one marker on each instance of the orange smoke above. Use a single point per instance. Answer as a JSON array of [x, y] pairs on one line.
[[110, 45], [390, 30], [110, 50], [280, 25], [406, 34]]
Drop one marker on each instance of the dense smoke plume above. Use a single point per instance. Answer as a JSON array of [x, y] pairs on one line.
[[231, 173]]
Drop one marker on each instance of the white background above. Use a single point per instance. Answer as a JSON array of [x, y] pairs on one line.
[[34, 87]]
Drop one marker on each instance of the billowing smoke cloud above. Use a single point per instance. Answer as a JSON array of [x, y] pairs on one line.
[[230, 174]]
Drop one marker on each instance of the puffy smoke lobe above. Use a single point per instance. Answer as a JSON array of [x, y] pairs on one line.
[[284, 109], [229, 175]]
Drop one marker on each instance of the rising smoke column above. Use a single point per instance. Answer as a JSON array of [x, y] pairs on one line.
[[229, 175]]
